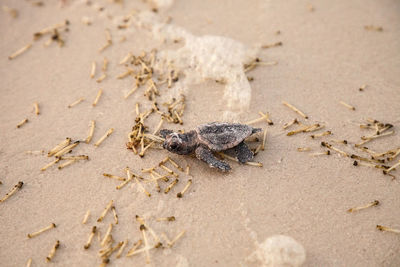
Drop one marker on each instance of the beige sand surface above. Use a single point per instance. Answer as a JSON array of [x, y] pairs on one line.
[[326, 56]]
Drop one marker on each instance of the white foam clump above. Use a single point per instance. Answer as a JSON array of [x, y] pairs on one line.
[[279, 251], [207, 57], [163, 3]]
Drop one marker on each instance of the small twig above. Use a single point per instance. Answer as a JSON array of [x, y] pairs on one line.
[[104, 213], [295, 109], [76, 102], [97, 97], [107, 134], [387, 229], [53, 251], [12, 192], [91, 131], [19, 51], [51, 226], [85, 219], [19, 125], [347, 105], [36, 106], [372, 204]]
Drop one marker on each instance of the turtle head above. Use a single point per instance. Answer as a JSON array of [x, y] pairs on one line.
[[174, 143], [181, 144]]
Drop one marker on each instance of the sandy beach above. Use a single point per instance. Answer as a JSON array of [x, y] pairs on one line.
[[338, 62]]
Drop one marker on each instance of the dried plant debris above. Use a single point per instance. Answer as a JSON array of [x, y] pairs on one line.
[[372, 204], [362, 87], [108, 41], [295, 109], [86, 217], [53, 251], [60, 150], [257, 62], [292, 122], [20, 51], [104, 213], [90, 238], [380, 131], [306, 129], [11, 11], [150, 238], [372, 159], [101, 140], [387, 229], [55, 35], [271, 45], [54, 32], [157, 176], [321, 134], [373, 28], [22, 123], [16, 188], [36, 106], [327, 145], [76, 102], [347, 105], [264, 118], [51, 226]]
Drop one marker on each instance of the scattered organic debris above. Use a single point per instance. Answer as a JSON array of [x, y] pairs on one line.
[[36, 106], [257, 62], [108, 41], [295, 109], [91, 131], [89, 242], [20, 51], [60, 150], [51, 226], [19, 125], [76, 102], [387, 229], [54, 32], [373, 28], [108, 207], [17, 187], [85, 219], [12, 11], [107, 134], [97, 97], [271, 45], [53, 251], [347, 105], [264, 117], [372, 204]]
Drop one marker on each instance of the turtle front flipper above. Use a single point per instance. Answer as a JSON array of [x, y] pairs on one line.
[[243, 153], [207, 156]]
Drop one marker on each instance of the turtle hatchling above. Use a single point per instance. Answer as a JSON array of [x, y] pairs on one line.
[[209, 138]]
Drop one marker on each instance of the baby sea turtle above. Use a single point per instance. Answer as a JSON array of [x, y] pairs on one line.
[[209, 138]]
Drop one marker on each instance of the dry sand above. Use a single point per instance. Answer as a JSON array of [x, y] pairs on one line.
[[327, 54]]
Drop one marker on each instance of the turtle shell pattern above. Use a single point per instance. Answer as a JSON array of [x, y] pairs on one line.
[[222, 136]]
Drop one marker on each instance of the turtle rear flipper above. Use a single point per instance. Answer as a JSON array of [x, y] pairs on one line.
[[207, 156], [243, 153]]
